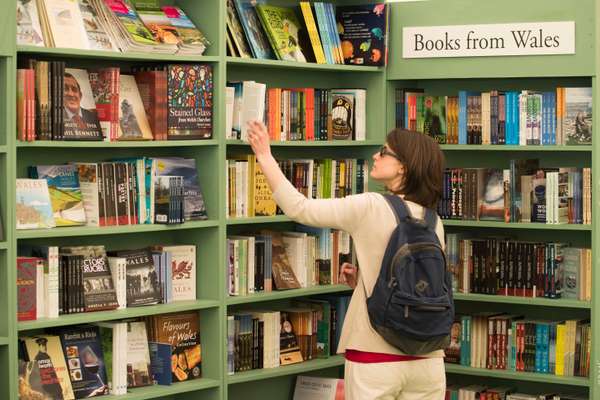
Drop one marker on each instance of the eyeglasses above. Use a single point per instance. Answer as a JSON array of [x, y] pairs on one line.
[[384, 151]]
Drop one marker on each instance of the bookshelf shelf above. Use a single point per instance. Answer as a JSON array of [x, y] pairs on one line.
[[519, 376], [108, 145], [109, 55], [81, 318], [4, 341], [516, 225], [253, 62], [3, 149], [511, 148], [3, 245], [286, 294], [540, 302], [316, 143], [258, 220], [159, 392], [110, 230], [259, 374]]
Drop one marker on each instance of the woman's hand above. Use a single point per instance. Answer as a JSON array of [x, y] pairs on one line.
[[349, 274], [259, 139]]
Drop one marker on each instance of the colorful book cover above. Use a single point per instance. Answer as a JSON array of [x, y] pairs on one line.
[[138, 365], [99, 289], [190, 101], [188, 33], [237, 32], [182, 332], [27, 270], [49, 374], [186, 167], [105, 88], [65, 193], [259, 43], [434, 123], [33, 207], [97, 36], [133, 122], [128, 17], [83, 354], [79, 112], [282, 26], [577, 124], [163, 199], [29, 31], [342, 115], [363, 32], [183, 267], [160, 25], [142, 279], [491, 194]]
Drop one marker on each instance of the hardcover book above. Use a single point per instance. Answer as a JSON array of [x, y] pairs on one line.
[[27, 276], [363, 32], [133, 122], [577, 123], [190, 101], [65, 193], [33, 207], [491, 195], [282, 27], [80, 117], [83, 354]]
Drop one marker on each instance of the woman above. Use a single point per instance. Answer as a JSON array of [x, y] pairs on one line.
[[411, 165]]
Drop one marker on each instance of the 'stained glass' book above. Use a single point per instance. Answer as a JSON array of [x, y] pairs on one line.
[[190, 101]]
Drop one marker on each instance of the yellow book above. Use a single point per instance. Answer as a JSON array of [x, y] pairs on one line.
[[560, 349], [251, 184], [264, 205], [312, 32]]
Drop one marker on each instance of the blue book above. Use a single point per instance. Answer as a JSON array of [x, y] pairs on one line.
[[160, 362], [257, 38]]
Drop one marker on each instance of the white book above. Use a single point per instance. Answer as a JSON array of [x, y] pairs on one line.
[[52, 279], [317, 388], [183, 258], [229, 106], [88, 182], [523, 132], [250, 265], [253, 104], [295, 248], [29, 31], [40, 290], [133, 122], [66, 24], [118, 271]]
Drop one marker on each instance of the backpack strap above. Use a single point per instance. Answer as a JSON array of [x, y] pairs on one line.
[[431, 218], [400, 209]]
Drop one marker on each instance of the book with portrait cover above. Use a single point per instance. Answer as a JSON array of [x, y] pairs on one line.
[[98, 286], [80, 119], [82, 348], [143, 287]]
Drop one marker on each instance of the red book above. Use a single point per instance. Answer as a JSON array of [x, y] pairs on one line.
[[152, 86], [27, 270]]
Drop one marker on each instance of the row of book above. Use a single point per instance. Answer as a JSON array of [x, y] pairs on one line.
[[519, 268], [525, 192], [296, 114], [53, 281], [356, 34], [109, 25], [276, 260], [514, 343], [173, 102], [249, 195], [481, 392], [110, 357], [308, 330], [529, 117], [135, 191]]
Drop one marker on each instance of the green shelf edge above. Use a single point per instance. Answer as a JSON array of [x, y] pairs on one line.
[[518, 376], [253, 62], [158, 391], [266, 373], [3, 245], [496, 147], [516, 225], [538, 301], [315, 143], [111, 55], [3, 149], [133, 312], [4, 341], [110, 230], [127, 144], [258, 220], [286, 294]]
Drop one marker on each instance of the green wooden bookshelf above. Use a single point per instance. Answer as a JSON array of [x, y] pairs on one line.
[[213, 305]]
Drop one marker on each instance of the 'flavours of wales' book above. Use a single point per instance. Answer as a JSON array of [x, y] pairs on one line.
[[65, 193], [33, 207], [363, 32], [190, 101]]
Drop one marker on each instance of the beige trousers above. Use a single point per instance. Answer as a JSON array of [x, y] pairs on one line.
[[402, 380]]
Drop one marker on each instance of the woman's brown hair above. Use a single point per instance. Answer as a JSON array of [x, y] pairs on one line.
[[424, 165]]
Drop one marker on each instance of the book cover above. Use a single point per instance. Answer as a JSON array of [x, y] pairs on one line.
[[105, 88], [80, 119], [133, 122], [98, 286], [85, 360], [88, 183], [159, 25], [342, 115], [27, 272], [65, 193], [237, 32], [577, 124], [435, 118], [183, 267], [97, 36], [182, 332], [282, 27], [313, 388], [33, 207], [138, 364], [142, 280], [363, 32], [259, 43], [163, 199], [160, 362], [49, 374], [127, 16], [29, 31], [491, 195], [283, 274], [190, 101], [189, 34], [194, 207]]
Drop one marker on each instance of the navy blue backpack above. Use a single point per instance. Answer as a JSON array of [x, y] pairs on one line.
[[411, 306]]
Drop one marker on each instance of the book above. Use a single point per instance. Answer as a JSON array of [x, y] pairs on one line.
[[189, 101], [49, 374], [577, 124], [237, 32], [29, 31], [105, 88], [133, 122], [98, 285], [65, 193], [491, 194], [183, 267], [342, 115], [85, 360], [192, 40], [138, 355], [65, 24], [318, 388], [142, 279], [363, 32], [80, 119], [282, 27], [97, 35], [257, 39], [160, 362], [27, 282], [33, 207]]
